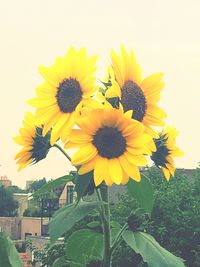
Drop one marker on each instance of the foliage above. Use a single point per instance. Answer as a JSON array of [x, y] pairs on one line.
[[36, 185], [89, 245], [46, 256], [176, 214], [33, 210], [8, 205], [45, 189], [175, 217], [15, 189], [8, 253], [67, 216], [174, 222], [151, 251], [143, 192]]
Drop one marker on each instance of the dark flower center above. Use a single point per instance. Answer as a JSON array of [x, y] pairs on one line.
[[69, 95], [159, 157], [133, 99], [109, 142], [41, 145]]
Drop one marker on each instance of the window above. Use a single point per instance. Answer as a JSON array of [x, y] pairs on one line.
[[70, 190]]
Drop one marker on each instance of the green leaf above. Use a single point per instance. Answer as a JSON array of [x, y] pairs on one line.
[[67, 216], [94, 224], [150, 250], [53, 184], [82, 183], [85, 245], [8, 254], [142, 192], [115, 228], [60, 262]]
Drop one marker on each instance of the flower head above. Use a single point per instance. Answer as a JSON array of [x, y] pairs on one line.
[[166, 150], [112, 144], [35, 146], [69, 85], [137, 94]]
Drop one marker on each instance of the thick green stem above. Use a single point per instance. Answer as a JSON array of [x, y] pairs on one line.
[[106, 226], [63, 151]]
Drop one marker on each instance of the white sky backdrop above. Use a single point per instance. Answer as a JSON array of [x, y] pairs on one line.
[[165, 36]]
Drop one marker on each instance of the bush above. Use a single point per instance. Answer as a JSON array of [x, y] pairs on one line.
[[175, 217]]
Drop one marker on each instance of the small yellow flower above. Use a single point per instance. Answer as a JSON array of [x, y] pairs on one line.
[[112, 144], [166, 150], [69, 85], [35, 146]]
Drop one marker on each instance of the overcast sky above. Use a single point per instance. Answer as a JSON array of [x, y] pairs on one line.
[[164, 34]]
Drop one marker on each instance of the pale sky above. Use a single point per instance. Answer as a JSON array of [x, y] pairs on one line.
[[165, 36]]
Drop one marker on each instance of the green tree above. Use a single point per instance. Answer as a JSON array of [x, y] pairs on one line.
[[174, 221], [8, 205], [34, 186], [15, 189]]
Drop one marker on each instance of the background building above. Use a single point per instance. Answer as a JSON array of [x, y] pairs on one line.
[[5, 181]]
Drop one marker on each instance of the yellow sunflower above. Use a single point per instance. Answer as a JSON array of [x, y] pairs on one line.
[[112, 144], [166, 150], [35, 146], [68, 86], [137, 94]]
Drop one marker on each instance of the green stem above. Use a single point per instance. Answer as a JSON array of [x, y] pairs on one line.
[[106, 225], [63, 151]]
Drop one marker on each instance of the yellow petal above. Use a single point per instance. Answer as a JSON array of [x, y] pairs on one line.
[[125, 177], [118, 67], [115, 170], [23, 165], [131, 170], [151, 81], [21, 141], [79, 136], [100, 170], [88, 166], [170, 168], [42, 102], [49, 75], [84, 155], [23, 152], [55, 134], [137, 160], [166, 173], [52, 120]]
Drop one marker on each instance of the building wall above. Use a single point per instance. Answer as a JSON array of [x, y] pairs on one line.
[[31, 225], [63, 196], [22, 200], [12, 226]]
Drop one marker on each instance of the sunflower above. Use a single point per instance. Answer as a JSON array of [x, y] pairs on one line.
[[35, 146], [112, 144], [166, 150], [136, 94], [68, 86]]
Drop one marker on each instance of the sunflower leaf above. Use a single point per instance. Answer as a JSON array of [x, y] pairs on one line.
[[150, 250], [8, 253], [67, 216], [52, 185], [142, 192], [85, 245], [82, 184]]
